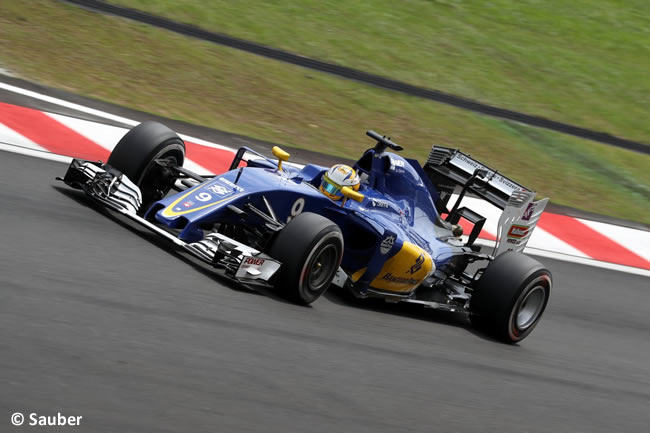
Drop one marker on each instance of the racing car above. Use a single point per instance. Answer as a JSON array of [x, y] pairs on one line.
[[381, 228]]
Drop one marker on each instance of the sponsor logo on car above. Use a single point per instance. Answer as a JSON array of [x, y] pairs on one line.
[[188, 203], [252, 267], [518, 231], [232, 185], [528, 213], [218, 189], [253, 261], [418, 264], [379, 203], [387, 244], [496, 177], [491, 175], [400, 280], [344, 170], [397, 165]]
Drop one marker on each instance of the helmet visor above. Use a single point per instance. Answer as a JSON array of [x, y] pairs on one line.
[[330, 188]]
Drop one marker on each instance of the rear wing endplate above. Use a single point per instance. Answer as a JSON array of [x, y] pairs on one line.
[[450, 170], [518, 221]]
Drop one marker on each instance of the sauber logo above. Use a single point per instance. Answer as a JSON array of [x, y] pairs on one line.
[[517, 231], [253, 261], [218, 189], [418, 265], [387, 244]]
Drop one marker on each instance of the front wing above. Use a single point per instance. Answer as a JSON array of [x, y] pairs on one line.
[[115, 191]]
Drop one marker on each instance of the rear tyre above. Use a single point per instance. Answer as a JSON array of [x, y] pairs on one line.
[[511, 297], [310, 248], [136, 152]]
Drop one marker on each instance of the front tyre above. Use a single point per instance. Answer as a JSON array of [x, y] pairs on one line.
[[511, 297], [310, 248], [135, 153]]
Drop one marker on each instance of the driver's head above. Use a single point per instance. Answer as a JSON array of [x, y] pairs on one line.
[[337, 177]]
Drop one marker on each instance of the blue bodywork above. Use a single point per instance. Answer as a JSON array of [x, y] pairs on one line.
[[398, 202]]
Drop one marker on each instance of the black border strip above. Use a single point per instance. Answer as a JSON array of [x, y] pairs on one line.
[[357, 75]]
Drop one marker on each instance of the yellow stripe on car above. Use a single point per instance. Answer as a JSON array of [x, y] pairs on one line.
[[358, 274], [405, 270]]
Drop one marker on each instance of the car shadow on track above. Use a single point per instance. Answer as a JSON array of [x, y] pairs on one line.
[[170, 248], [342, 297]]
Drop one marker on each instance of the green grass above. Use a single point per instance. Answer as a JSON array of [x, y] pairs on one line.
[[584, 62], [160, 72]]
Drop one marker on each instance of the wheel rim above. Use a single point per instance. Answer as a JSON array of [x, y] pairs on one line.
[[322, 267], [530, 307]]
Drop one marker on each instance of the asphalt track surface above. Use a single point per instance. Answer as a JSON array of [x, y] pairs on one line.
[[99, 319]]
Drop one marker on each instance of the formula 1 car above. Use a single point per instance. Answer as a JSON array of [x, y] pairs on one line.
[[265, 221]]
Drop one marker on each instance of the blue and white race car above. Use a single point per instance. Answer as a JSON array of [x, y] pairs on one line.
[[374, 229]]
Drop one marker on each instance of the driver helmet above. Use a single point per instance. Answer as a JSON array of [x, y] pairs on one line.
[[337, 177]]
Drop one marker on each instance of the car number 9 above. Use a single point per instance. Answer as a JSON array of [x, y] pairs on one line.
[[204, 196]]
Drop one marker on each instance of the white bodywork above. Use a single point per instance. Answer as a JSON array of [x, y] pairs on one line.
[[517, 221]]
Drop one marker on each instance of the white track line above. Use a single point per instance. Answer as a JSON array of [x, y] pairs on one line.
[[10, 136], [570, 254], [543, 240], [205, 143], [540, 239], [637, 241], [107, 136], [580, 258], [573, 259], [14, 142], [67, 104], [97, 113], [43, 154]]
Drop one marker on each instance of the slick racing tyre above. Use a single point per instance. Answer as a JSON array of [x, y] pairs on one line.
[[136, 152], [510, 297], [310, 248]]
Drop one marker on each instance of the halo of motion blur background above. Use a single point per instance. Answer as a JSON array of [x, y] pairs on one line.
[[581, 62]]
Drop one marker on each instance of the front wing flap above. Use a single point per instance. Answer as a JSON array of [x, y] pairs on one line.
[[114, 190], [105, 184]]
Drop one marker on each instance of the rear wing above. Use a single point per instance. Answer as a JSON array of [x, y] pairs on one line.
[[451, 170], [448, 168]]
